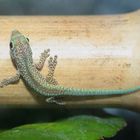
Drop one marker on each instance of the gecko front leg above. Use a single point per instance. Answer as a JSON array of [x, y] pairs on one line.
[[52, 62], [10, 80], [42, 60]]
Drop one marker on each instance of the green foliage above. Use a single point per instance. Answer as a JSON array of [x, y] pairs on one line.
[[74, 128]]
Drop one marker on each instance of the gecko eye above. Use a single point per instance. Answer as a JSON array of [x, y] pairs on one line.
[[27, 39], [11, 45]]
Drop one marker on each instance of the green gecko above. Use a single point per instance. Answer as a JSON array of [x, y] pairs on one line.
[[21, 55]]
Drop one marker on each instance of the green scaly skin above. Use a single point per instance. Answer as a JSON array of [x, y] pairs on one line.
[[21, 54]]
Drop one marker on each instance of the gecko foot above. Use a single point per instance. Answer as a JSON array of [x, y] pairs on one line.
[[52, 62], [53, 100], [42, 60], [10, 80], [1, 85]]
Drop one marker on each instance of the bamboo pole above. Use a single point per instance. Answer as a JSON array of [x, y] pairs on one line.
[[93, 52]]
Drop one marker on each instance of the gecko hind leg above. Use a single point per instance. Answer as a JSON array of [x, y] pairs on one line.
[[53, 100], [42, 60], [52, 62]]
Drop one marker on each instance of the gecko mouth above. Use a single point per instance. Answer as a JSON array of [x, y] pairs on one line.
[[15, 33]]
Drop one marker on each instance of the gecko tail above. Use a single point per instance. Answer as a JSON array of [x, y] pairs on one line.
[[99, 92]]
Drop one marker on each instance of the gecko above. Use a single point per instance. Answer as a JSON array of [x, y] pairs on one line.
[[29, 72]]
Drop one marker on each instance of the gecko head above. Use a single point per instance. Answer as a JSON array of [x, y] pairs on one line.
[[19, 44]]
